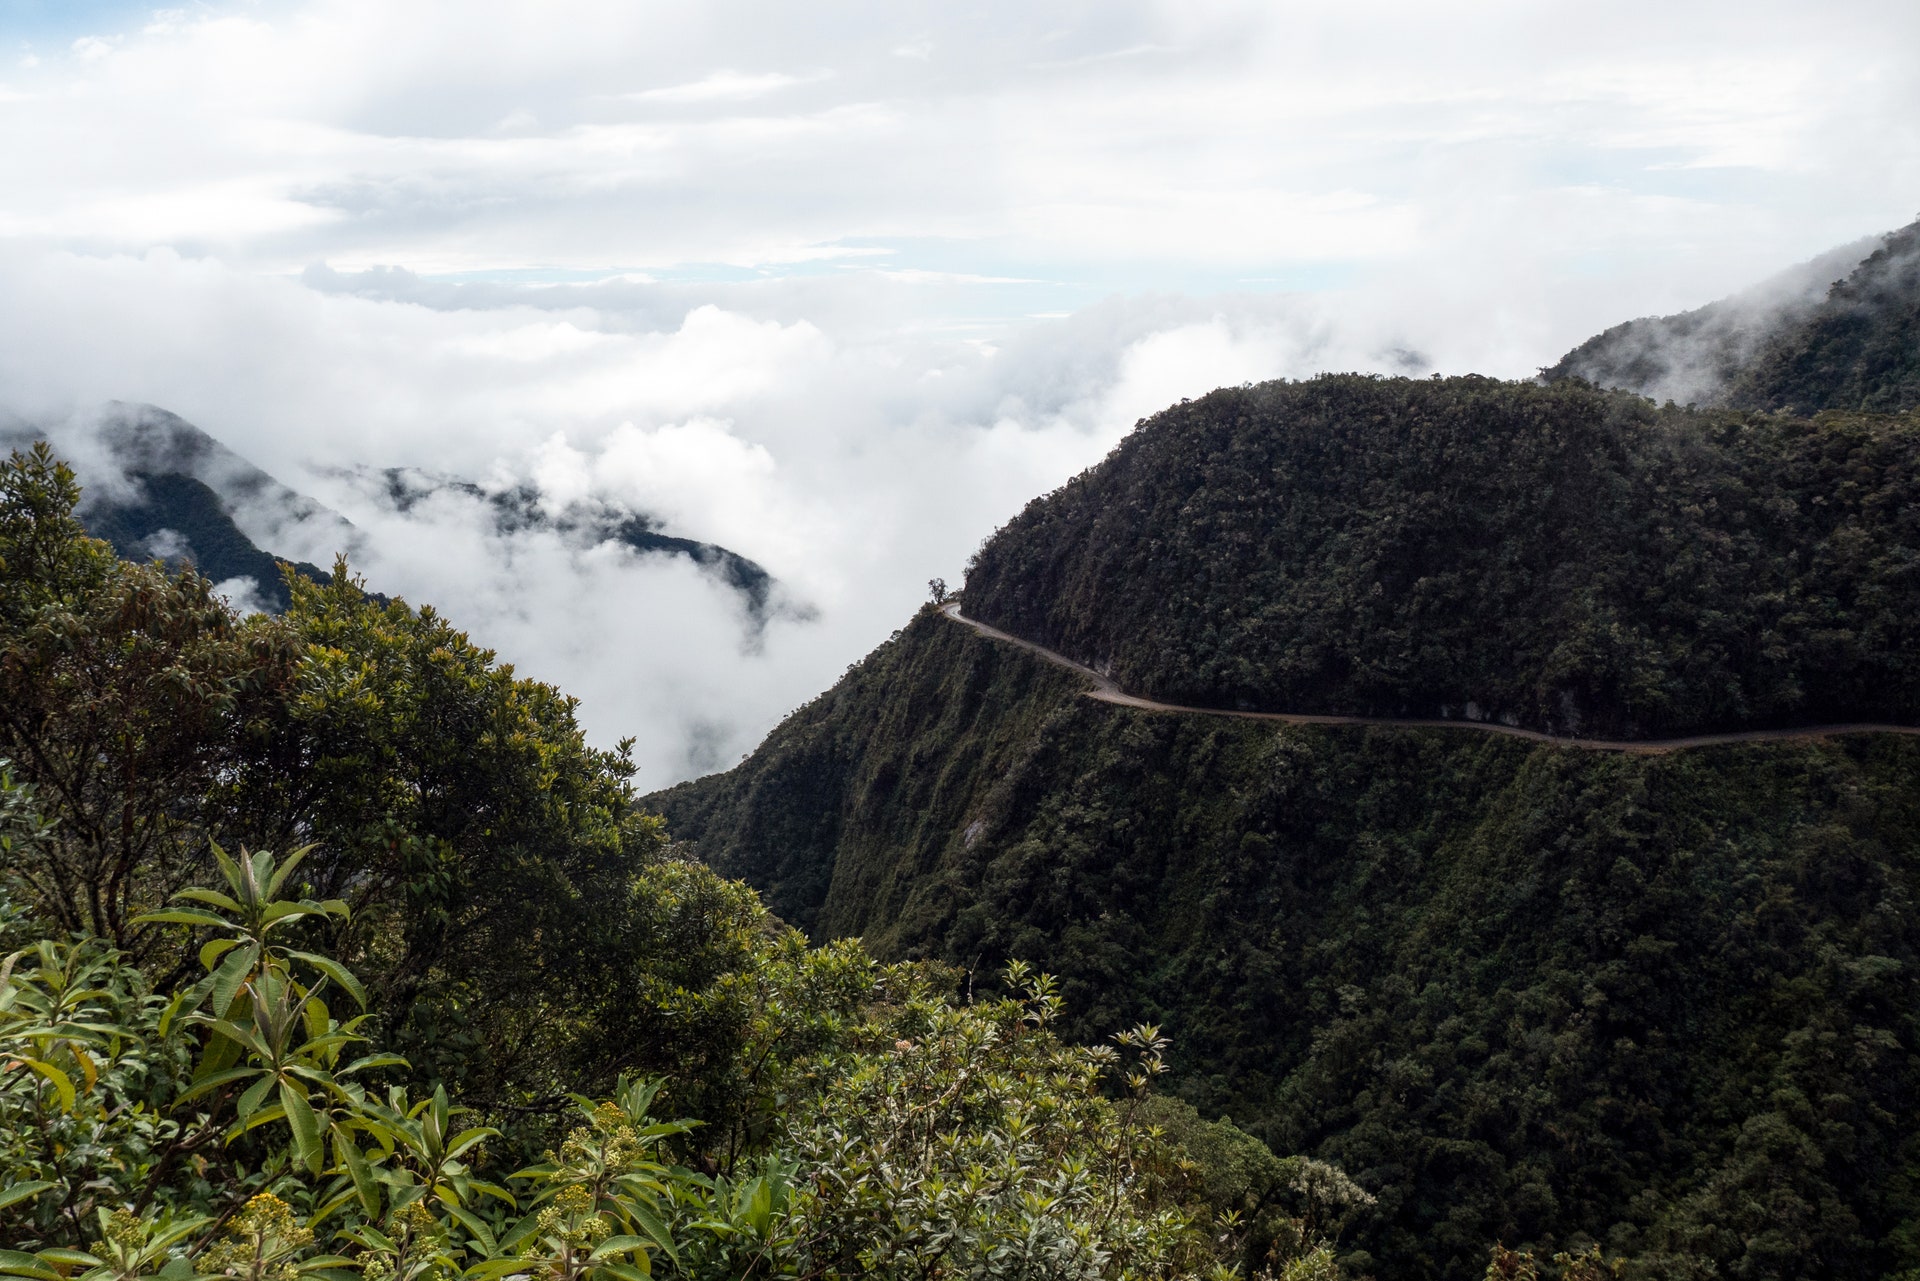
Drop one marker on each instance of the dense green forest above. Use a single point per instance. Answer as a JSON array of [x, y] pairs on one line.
[[1664, 1005], [334, 952], [1856, 346], [1556, 557]]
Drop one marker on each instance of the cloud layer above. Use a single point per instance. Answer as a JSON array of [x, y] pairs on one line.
[[840, 287]]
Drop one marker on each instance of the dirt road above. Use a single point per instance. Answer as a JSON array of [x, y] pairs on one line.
[[1105, 691]]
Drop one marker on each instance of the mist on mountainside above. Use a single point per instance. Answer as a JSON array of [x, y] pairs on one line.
[[157, 487], [1690, 358], [1653, 1004], [1839, 332]]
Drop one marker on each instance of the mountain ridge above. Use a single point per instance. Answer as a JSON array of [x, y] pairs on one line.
[[1567, 560], [159, 487], [1659, 1003]]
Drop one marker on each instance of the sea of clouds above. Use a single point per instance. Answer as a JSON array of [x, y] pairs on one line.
[[840, 287]]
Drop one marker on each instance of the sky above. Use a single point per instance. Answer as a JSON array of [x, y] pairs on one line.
[[841, 286]]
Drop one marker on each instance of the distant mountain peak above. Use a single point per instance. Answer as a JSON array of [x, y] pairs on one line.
[[520, 506], [157, 486]]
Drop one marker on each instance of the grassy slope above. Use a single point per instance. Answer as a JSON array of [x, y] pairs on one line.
[[1523, 993]]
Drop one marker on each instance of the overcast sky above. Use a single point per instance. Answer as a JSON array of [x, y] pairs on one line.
[[842, 285]]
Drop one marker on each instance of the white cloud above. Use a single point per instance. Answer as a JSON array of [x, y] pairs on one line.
[[721, 86], [772, 273]]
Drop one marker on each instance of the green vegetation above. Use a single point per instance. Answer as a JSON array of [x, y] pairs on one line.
[[1555, 557], [483, 1022], [1855, 347], [1860, 350], [231, 1128], [1558, 999]]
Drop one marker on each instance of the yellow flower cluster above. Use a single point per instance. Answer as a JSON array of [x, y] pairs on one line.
[[415, 1221], [124, 1230], [570, 1217], [259, 1243]]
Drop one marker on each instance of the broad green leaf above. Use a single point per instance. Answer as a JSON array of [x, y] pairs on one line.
[[229, 870], [651, 1225], [332, 1206], [467, 1219], [259, 869], [22, 1191], [214, 949], [240, 1036], [317, 1019], [181, 916], [222, 1053], [250, 1101], [620, 1245], [265, 1116], [466, 1139], [361, 1174], [304, 1124], [179, 1231], [483, 1237], [214, 1081], [14, 1263], [61, 1257], [279, 878], [337, 972], [213, 898], [494, 1268], [227, 979], [520, 1231], [61, 1082], [493, 1190]]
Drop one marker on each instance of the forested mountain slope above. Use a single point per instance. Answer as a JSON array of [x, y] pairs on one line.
[[1853, 344], [1557, 557], [1522, 994]]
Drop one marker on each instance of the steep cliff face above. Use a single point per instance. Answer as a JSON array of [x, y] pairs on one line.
[[1522, 993]]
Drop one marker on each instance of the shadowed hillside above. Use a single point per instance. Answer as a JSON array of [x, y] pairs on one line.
[[1556, 557], [1523, 994]]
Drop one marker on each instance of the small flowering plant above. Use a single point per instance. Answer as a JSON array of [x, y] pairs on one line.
[[604, 1202], [262, 1243]]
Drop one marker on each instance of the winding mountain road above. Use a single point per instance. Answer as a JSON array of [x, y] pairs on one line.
[[1105, 691]]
